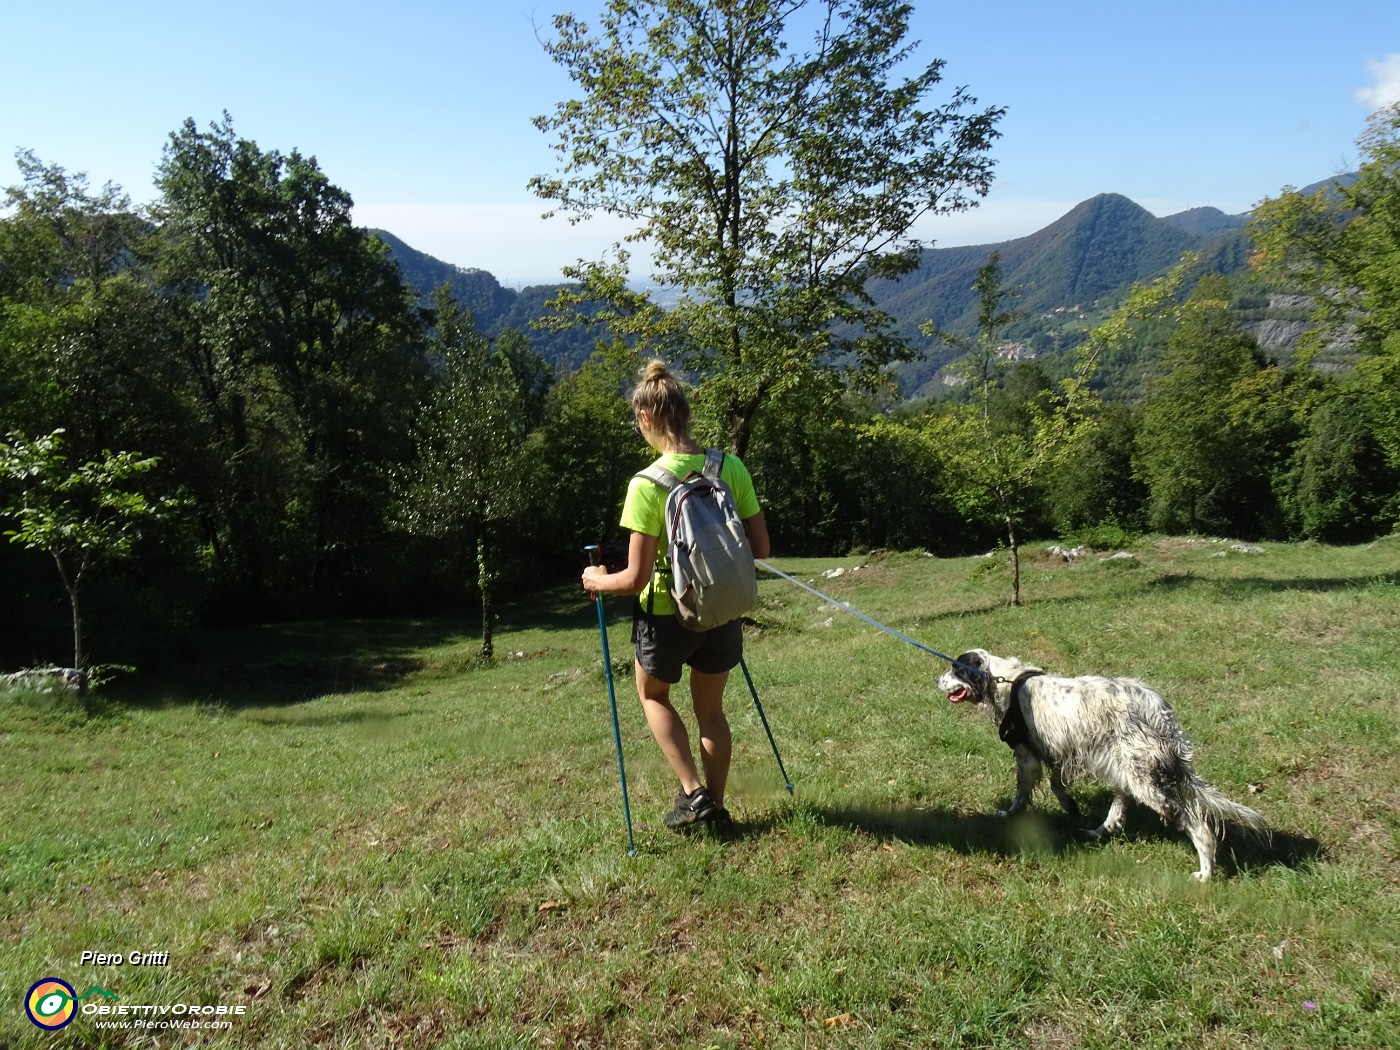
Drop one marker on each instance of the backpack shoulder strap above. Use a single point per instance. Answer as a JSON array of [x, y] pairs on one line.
[[668, 481], [714, 460], [659, 474]]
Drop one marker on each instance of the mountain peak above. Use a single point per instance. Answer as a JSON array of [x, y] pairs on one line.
[[1202, 222]]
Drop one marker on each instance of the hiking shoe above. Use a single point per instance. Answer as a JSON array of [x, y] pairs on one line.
[[695, 808]]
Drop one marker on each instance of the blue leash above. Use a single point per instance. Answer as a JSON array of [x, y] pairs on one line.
[[861, 616]]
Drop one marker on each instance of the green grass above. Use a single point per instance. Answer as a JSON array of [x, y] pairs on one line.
[[369, 839]]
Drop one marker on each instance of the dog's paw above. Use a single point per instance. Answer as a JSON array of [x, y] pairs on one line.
[[1201, 876]]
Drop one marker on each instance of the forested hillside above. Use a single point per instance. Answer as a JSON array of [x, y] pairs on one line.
[[495, 308], [1062, 278], [238, 406]]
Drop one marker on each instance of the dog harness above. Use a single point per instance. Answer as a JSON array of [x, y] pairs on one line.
[[1013, 730]]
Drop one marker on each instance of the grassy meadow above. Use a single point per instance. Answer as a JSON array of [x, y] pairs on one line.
[[366, 838]]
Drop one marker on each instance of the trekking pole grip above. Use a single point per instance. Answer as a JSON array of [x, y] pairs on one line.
[[595, 557]]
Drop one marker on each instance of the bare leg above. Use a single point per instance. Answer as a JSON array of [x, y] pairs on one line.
[[707, 694], [668, 728]]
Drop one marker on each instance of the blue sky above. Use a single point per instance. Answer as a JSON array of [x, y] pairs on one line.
[[421, 109]]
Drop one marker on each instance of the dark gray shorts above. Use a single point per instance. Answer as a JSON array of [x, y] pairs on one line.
[[664, 647]]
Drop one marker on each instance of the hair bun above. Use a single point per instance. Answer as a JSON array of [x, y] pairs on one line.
[[655, 371]]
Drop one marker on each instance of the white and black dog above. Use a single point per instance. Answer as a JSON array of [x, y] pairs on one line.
[[1115, 729]]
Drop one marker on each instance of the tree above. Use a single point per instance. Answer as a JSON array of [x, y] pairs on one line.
[[90, 344], [1199, 462], [771, 181], [1341, 246], [78, 518], [991, 449], [997, 451], [476, 467], [1342, 489], [1093, 485], [590, 448], [86, 341], [308, 353], [60, 231]]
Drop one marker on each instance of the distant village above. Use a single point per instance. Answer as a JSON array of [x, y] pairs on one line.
[[1013, 352]]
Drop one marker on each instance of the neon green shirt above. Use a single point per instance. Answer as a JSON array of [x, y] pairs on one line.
[[644, 511]]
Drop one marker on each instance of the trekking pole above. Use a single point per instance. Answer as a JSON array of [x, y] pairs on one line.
[[787, 782], [594, 558]]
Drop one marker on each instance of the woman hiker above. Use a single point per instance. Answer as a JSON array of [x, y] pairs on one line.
[[663, 645]]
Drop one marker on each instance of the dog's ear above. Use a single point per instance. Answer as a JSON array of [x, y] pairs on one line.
[[971, 659]]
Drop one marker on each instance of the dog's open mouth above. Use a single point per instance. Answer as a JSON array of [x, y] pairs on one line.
[[959, 694]]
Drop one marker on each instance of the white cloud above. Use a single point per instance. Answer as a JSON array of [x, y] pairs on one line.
[[1386, 89]]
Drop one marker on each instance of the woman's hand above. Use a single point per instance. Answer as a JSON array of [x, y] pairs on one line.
[[593, 578]]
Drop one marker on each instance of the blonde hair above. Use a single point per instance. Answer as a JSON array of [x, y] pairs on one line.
[[662, 397]]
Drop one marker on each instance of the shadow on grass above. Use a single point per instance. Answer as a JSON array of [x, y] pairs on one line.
[[369, 720], [1055, 833], [1259, 584], [972, 833], [276, 664], [271, 683], [288, 663]]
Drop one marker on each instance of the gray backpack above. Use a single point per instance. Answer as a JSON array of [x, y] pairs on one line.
[[711, 568]]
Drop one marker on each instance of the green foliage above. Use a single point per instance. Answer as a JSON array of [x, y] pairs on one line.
[[1200, 459], [1002, 451], [307, 353], [1339, 243], [1103, 537], [591, 452], [87, 512], [770, 181], [346, 445], [1093, 486], [842, 477], [77, 517], [477, 467], [1339, 246], [1344, 488]]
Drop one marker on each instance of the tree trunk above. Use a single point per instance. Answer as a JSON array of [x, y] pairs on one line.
[[1015, 560], [483, 583], [72, 584]]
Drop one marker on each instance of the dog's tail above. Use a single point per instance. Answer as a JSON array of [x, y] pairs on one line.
[[1221, 809]]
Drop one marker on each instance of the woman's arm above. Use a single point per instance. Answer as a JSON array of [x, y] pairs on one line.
[[757, 530], [641, 560]]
